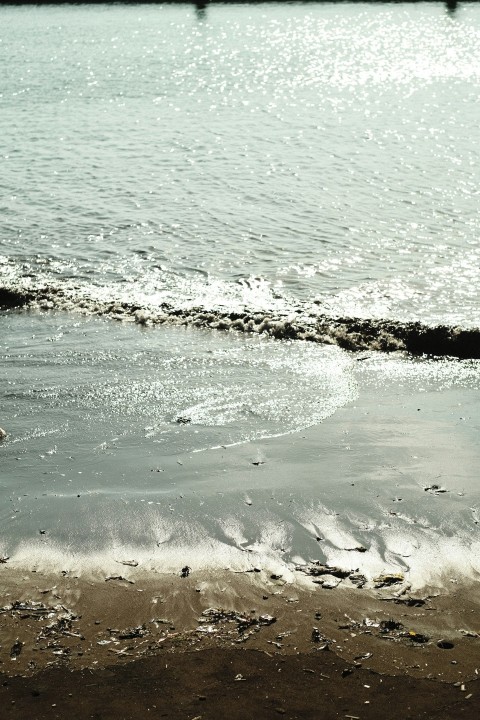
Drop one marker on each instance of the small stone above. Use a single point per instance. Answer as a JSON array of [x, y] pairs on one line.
[[16, 649]]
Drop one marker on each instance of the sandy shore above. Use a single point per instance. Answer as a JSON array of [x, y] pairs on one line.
[[188, 646], [333, 572]]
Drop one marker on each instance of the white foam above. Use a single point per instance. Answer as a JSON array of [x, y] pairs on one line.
[[427, 555]]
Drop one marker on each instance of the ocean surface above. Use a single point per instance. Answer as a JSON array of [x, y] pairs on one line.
[[207, 219]]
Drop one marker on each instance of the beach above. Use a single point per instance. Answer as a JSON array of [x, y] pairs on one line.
[[239, 360], [207, 646], [366, 612]]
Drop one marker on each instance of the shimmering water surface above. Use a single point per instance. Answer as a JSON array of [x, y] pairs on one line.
[[260, 154], [281, 160]]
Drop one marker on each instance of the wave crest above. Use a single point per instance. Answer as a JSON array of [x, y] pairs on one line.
[[349, 333]]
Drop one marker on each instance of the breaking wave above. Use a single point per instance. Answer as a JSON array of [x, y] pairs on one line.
[[349, 333]]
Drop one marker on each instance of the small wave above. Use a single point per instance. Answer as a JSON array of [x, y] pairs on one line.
[[349, 333], [413, 337], [15, 297]]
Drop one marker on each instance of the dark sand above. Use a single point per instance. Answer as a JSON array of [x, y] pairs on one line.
[[202, 685]]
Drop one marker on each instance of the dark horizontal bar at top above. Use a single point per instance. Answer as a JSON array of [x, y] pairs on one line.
[[448, 3]]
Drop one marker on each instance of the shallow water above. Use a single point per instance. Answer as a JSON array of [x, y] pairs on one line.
[[173, 445], [263, 169]]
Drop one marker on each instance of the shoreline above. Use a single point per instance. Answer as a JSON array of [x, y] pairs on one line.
[[96, 620], [69, 642], [386, 482], [80, 622]]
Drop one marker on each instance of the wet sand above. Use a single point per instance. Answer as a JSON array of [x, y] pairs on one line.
[[343, 581], [207, 646], [387, 483]]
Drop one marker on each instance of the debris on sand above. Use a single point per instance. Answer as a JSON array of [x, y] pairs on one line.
[[390, 629], [4, 559], [29, 609], [3, 434], [130, 563], [266, 620], [214, 616], [358, 579], [119, 577], [317, 568], [409, 601], [387, 579], [387, 626], [469, 633], [61, 626], [416, 637], [363, 656], [360, 549], [136, 632], [435, 489], [318, 637], [328, 584], [16, 649]]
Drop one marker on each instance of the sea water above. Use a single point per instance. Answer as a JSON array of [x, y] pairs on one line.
[[200, 210]]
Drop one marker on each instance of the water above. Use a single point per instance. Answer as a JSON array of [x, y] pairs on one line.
[[268, 169], [268, 156]]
